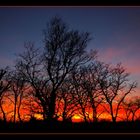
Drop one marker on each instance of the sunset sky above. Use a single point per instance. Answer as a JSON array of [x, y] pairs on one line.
[[115, 32]]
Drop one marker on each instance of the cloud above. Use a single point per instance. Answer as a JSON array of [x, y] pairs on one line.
[[109, 54], [128, 56]]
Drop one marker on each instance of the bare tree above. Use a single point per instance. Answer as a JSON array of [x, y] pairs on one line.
[[67, 103], [29, 65], [79, 93], [32, 106], [127, 110], [131, 108], [90, 86], [4, 88], [18, 89], [115, 87], [135, 108], [65, 50], [65, 56]]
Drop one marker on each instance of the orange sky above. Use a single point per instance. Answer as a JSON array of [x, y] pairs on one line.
[[25, 112]]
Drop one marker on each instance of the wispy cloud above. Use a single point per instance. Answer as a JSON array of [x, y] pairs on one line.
[[128, 56]]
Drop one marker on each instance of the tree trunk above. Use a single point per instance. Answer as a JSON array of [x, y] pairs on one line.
[[4, 116], [112, 114], [52, 106], [133, 115], [45, 112], [15, 109], [64, 112], [114, 119], [18, 111], [94, 115], [83, 111]]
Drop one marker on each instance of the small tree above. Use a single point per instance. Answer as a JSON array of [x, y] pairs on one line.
[[131, 109], [115, 87], [66, 102], [79, 93], [18, 89], [90, 86], [4, 88]]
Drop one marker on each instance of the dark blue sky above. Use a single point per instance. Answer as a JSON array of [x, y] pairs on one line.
[[116, 31]]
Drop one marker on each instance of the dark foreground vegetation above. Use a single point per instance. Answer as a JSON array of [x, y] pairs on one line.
[[37, 126]]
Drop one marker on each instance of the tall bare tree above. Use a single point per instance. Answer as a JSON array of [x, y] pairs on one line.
[[65, 50]]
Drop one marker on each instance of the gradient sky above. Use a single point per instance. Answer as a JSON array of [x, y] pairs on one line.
[[116, 32]]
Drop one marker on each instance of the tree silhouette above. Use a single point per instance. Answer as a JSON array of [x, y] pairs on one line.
[[63, 59], [66, 102], [18, 89], [131, 107], [52, 85], [127, 109], [29, 65], [4, 88], [115, 87], [90, 86], [65, 50], [79, 93]]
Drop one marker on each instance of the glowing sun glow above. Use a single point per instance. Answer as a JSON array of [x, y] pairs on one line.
[[76, 118]]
